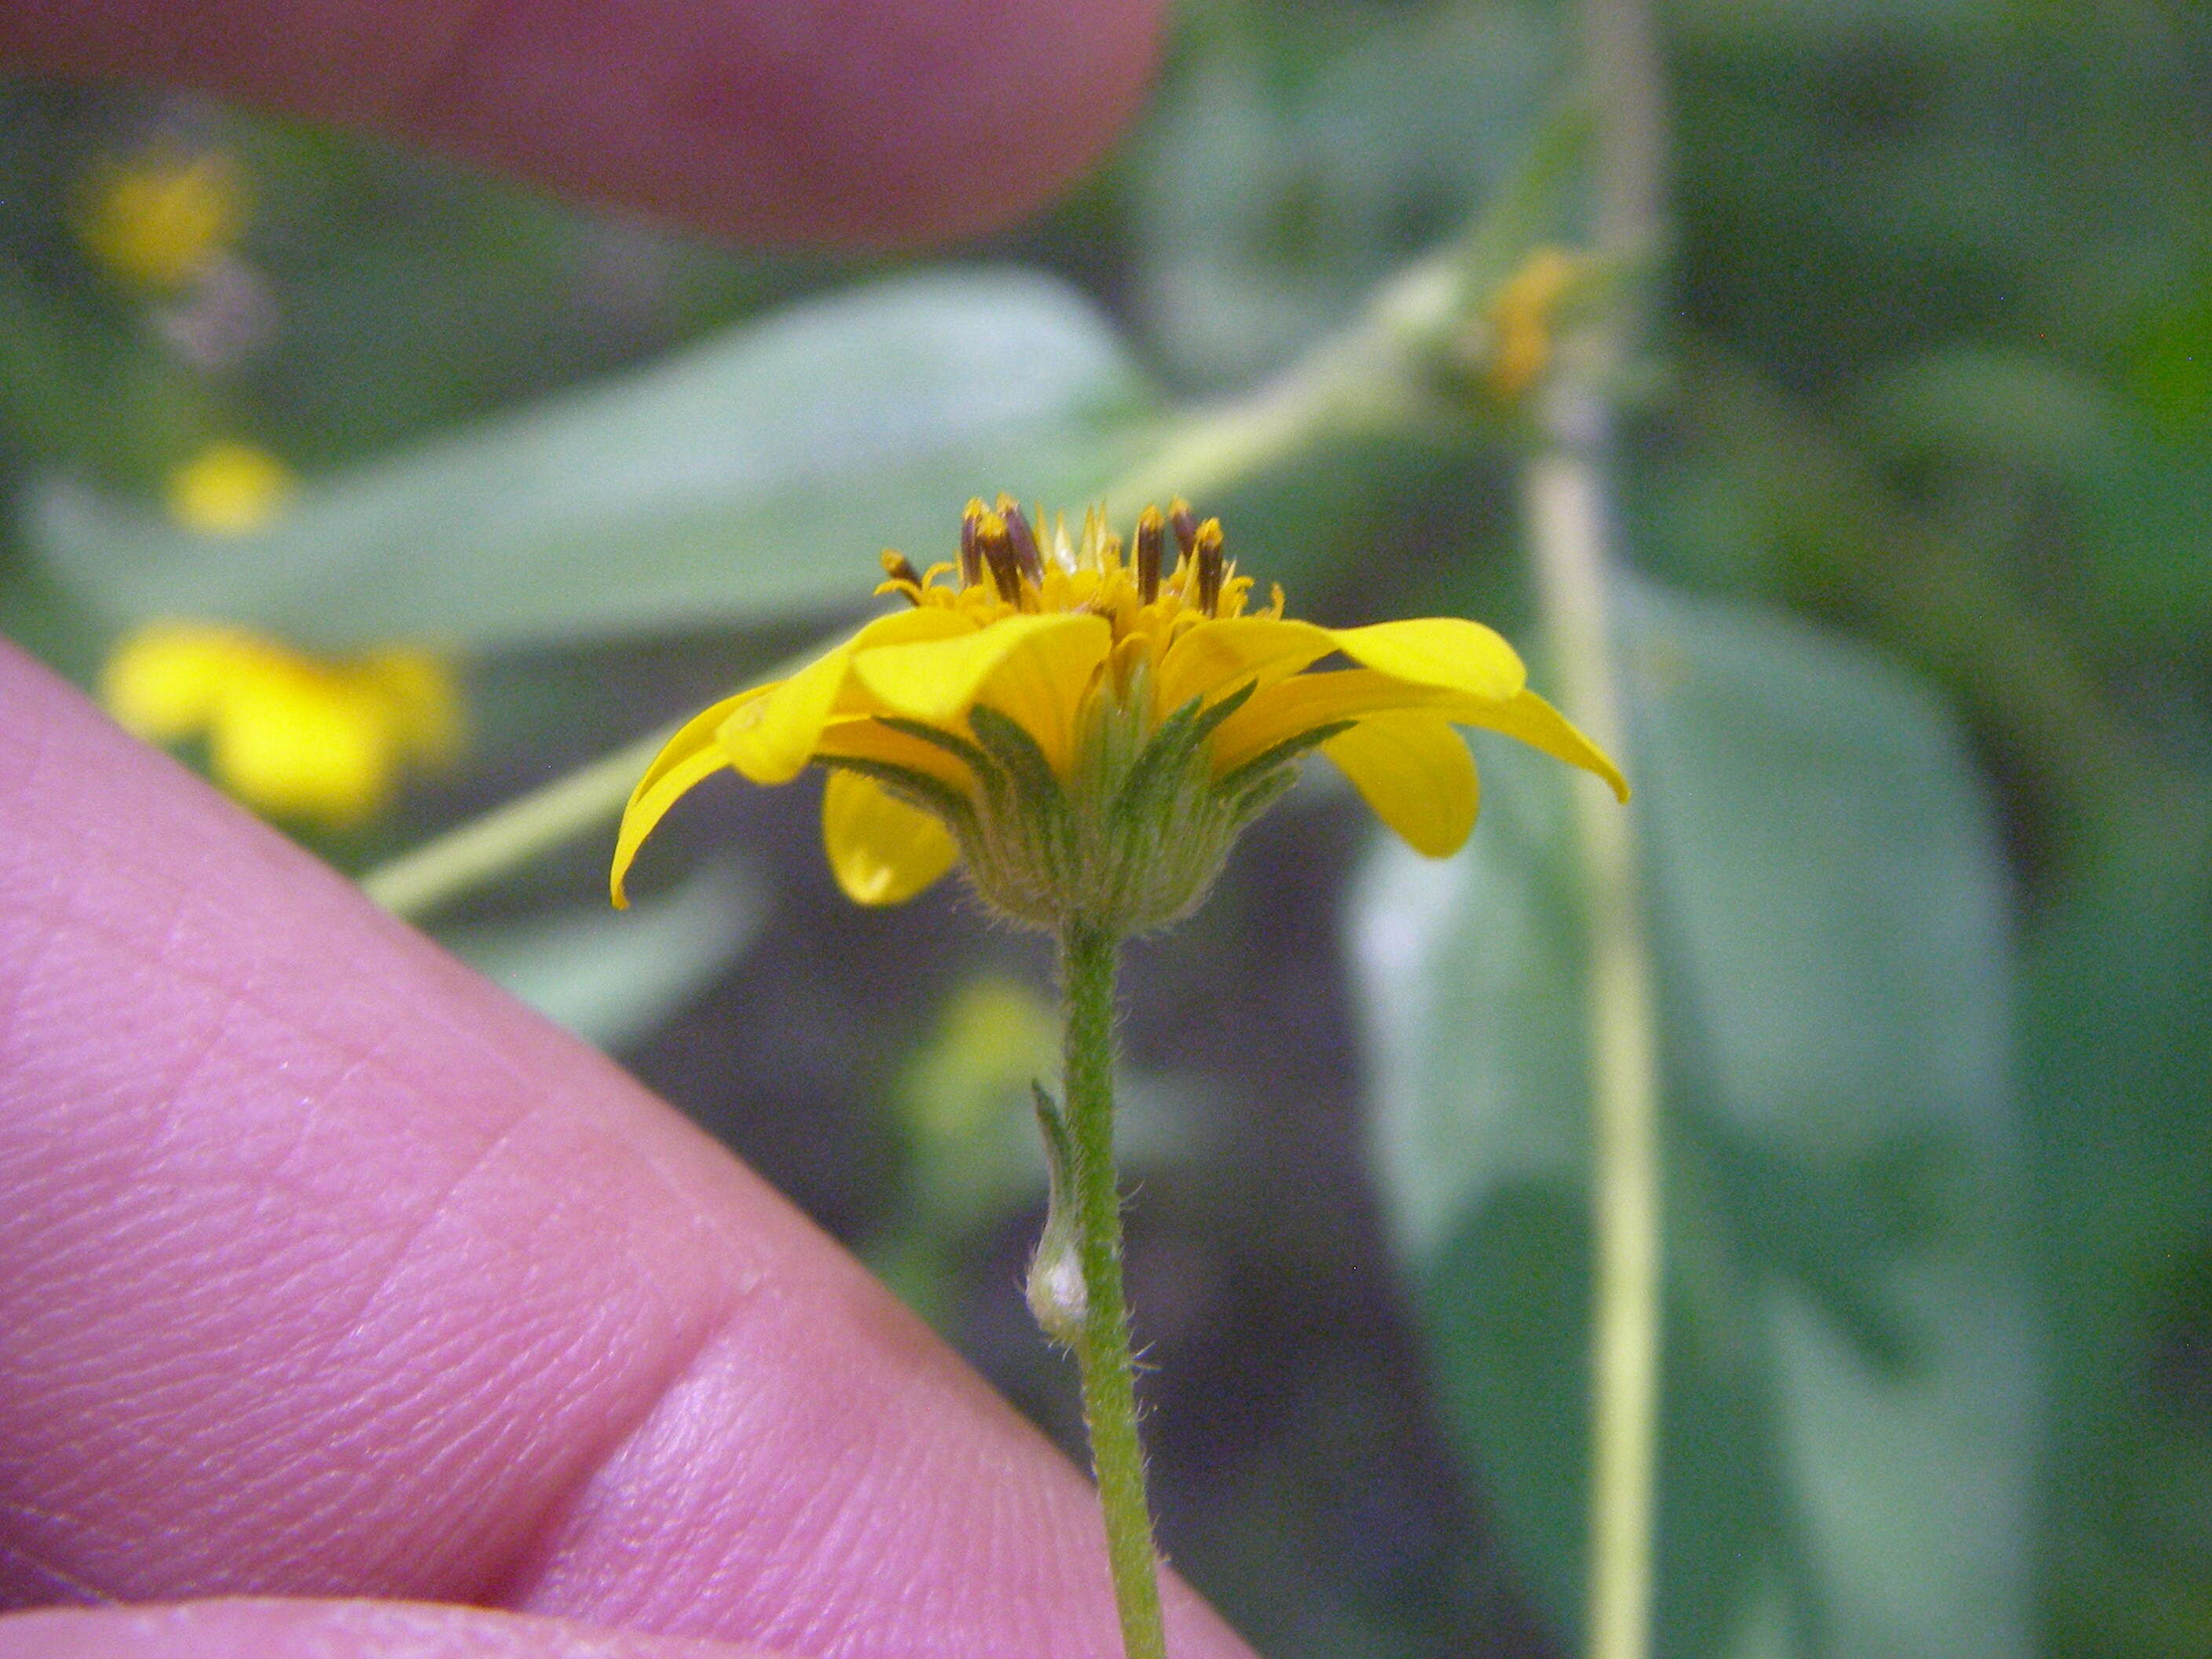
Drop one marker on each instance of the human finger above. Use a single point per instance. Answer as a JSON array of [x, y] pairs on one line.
[[269, 1629], [876, 121], [325, 1269]]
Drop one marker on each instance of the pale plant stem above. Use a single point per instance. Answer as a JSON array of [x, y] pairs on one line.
[[1568, 527], [484, 848], [1360, 379], [1573, 536], [1087, 963]]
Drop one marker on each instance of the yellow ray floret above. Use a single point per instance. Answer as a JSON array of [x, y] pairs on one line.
[[161, 217], [1087, 724], [227, 488], [298, 737]]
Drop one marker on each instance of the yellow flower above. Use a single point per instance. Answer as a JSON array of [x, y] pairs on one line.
[[1524, 319], [1088, 731], [229, 488], [162, 218], [292, 736]]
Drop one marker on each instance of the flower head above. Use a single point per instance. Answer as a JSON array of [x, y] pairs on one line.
[[227, 488], [1524, 318], [163, 217], [1088, 727], [288, 734]]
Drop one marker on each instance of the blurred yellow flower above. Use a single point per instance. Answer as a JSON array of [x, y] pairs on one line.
[[161, 217], [293, 736], [1090, 731], [993, 1038], [229, 488], [1524, 319]]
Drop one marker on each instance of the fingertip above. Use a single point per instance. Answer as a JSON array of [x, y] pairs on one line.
[[327, 1270], [850, 123], [274, 1629], [816, 122]]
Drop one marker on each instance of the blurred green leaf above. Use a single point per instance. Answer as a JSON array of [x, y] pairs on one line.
[[752, 477], [2119, 1050], [2140, 542], [1290, 180], [1851, 1416], [614, 977], [2168, 361], [973, 1154], [72, 385]]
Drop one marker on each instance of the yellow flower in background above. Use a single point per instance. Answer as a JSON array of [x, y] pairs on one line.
[[1088, 731], [1524, 319], [162, 217], [293, 736], [994, 1036], [229, 488]]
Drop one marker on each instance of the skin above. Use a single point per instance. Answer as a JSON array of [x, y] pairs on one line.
[[328, 1271], [347, 1308], [848, 122]]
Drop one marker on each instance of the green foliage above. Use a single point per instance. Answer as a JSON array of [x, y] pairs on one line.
[[749, 479], [1301, 165], [1929, 359], [613, 978], [1852, 1407], [2119, 1050]]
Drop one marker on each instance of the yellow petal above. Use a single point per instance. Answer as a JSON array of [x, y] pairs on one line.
[[881, 850], [1299, 704], [690, 756], [696, 734], [1416, 773], [299, 742], [1540, 726], [863, 738], [771, 739], [424, 705], [1446, 652], [165, 681], [1032, 669], [1219, 656]]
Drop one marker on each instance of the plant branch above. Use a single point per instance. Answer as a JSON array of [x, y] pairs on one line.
[[1574, 543], [510, 836], [1571, 534]]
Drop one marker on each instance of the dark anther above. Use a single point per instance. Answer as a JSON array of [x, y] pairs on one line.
[[1208, 554], [971, 557], [1026, 556], [1149, 527], [998, 551], [899, 568], [1186, 526]]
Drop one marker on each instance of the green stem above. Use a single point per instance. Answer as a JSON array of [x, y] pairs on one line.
[[1087, 959]]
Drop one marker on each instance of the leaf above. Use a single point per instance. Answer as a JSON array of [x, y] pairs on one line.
[[2136, 493], [753, 477], [2119, 1047], [1851, 1413], [1272, 197], [614, 976]]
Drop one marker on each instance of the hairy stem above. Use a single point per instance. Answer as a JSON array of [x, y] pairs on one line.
[[1087, 961]]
